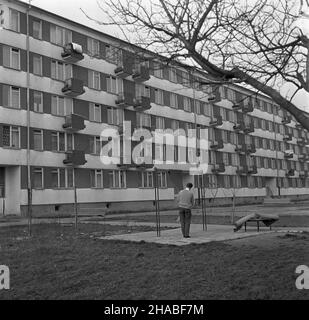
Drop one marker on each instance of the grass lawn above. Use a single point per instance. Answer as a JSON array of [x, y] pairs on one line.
[[54, 264]]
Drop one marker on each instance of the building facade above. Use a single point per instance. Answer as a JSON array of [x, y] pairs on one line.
[[62, 84]]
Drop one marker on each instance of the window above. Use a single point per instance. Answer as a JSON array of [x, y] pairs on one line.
[[11, 57], [11, 136], [38, 140], [186, 79], [37, 28], [162, 180], [61, 106], [159, 96], [14, 97], [186, 104], [114, 85], [62, 178], [175, 124], [37, 65], [96, 178], [173, 100], [60, 71], [207, 109], [197, 107], [93, 47], [114, 116], [147, 179], [38, 182], [14, 20], [173, 75], [37, 101], [95, 112], [143, 120], [117, 179], [94, 81], [95, 145], [141, 90], [160, 123], [62, 142], [60, 36], [157, 70]]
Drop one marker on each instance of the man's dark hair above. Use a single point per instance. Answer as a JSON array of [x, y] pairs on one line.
[[189, 185]]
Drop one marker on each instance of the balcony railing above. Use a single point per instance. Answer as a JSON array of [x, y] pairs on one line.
[[218, 168], [124, 70], [301, 141], [287, 137], [141, 74], [75, 158], [245, 148], [72, 53], [303, 157], [247, 107], [216, 145], [288, 154], [286, 120], [252, 169], [124, 100], [248, 127], [74, 122], [216, 121], [242, 170], [303, 174], [73, 87], [290, 173], [142, 103]]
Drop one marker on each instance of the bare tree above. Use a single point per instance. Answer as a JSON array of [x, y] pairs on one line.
[[256, 42]]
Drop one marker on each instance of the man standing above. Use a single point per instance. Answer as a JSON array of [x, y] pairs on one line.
[[185, 202]]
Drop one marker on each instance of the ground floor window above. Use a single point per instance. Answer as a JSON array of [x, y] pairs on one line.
[[38, 181], [117, 179], [96, 178], [162, 180], [62, 178], [147, 179]]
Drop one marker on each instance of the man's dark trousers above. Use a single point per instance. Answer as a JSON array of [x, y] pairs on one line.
[[185, 220]]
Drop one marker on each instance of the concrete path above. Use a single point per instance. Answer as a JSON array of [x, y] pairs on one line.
[[198, 236]]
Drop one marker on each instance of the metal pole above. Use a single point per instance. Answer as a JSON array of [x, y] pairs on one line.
[[75, 202], [204, 205], [157, 202], [29, 187], [277, 178]]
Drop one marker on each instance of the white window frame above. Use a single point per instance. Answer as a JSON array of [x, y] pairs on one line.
[[36, 107], [174, 100], [157, 70], [116, 176], [97, 176], [65, 35], [40, 65], [93, 47], [173, 74], [160, 123], [95, 112], [35, 133], [66, 72], [13, 129], [57, 135], [67, 106], [41, 171], [94, 80], [143, 120], [186, 104], [147, 179], [96, 145], [114, 85], [13, 28], [40, 30], [11, 89], [115, 116], [163, 180], [8, 54], [159, 96]]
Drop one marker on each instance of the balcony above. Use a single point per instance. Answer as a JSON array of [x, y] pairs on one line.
[[142, 103], [303, 157], [242, 170], [288, 154], [216, 145], [240, 148], [238, 126], [303, 174], [214, 96], [74, 122], [72, 53], [286, 120], [250, 148], [301, 141], [236, 106], [247, 107], [287, 137], [123, 100], [141, 74], [75, 158], [218, 168], [124, 70], [216, 121], [290, 173], [73, 87], [248, 127], [299, 126], [245, 148], [252, 169]]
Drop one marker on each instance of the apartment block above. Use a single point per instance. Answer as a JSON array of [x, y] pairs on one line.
[[62, 84]]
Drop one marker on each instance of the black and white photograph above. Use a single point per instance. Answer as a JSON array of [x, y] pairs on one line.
[[154, 153]]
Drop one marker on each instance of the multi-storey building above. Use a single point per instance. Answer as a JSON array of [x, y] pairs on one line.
[[62, 83]]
